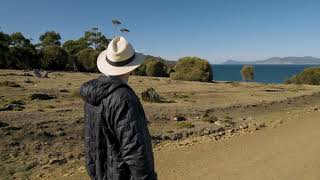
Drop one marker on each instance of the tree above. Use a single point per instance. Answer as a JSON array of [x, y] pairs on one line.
[[50, 38], [4, 49], [22, 54], [96, 39], [72, 47], [307, 76], [53, 58], [192, 69], [156, 68], [87, 60], [247, 73]]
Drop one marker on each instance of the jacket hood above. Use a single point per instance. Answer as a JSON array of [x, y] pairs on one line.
[[95, 90]]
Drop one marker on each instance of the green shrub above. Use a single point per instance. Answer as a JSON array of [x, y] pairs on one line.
[[156, 69], [192, 69], [183, 124], [247, 73], [87, 60], [307, 76], [53, 58], [152, 66]]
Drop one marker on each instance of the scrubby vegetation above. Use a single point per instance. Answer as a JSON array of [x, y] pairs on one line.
[[156, 69], [154, 66], [53, 57], [18, 52], [192, 69], [86, 60], [307, 76], [183, 124], [247, 73]]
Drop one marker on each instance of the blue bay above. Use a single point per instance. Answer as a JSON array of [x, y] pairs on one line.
[[263, 73]]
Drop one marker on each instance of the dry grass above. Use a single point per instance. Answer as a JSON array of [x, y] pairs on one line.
[[61, 118]]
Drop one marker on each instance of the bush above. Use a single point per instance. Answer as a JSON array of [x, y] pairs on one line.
[[150, 95], [192, 69], [182, 124], [87, 60], [53, 58], [307, 76], [156, 68], [247, 73]]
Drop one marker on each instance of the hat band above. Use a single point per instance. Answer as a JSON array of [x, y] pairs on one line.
[[121, 63]]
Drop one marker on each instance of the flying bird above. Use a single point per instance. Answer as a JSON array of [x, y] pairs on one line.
[[124, 30], [116, 22]]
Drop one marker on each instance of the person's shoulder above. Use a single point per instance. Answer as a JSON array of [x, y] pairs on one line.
[[124, 93]]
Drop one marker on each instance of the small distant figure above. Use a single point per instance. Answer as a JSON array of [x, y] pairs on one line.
[[37, 73]]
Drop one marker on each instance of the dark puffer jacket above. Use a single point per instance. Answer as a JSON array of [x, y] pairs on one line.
[[117, 139]]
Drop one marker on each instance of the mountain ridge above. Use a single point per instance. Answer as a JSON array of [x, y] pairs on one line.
[[279, 60]]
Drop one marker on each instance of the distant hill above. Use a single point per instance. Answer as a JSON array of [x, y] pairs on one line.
[[279, 60], [238, 62]]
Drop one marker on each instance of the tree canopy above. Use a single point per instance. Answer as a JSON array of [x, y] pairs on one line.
[[50, 38], [18, 52]]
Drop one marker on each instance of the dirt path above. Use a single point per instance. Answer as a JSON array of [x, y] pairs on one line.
[[288, 152]]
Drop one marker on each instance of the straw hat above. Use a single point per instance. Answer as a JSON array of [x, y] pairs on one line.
[[119, 58]]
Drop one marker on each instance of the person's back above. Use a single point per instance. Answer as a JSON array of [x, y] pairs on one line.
[[117, 140]]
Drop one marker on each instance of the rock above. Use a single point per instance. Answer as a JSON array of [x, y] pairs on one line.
[[46, 135], [63, 90], [57, 161], [12, 128], [12, 107], [206, 132], [179, 118], [61, 133], [41, 96], [250, 118], [175, 136], [150, 95], [63, 110], [3, 124], [230, 131], [242, 119], [220, 123], [27, 74], [28, 81], [9, 84]]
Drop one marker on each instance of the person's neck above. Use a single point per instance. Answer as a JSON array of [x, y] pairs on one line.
[[124, 78]]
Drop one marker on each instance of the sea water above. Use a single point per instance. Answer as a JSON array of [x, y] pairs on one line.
[[262, 73]]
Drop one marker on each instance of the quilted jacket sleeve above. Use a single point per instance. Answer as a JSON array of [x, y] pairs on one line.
[[134, 138]]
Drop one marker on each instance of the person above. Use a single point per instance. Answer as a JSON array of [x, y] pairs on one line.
[[117, 140]]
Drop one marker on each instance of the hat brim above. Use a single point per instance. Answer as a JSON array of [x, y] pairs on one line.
[[107, 69]]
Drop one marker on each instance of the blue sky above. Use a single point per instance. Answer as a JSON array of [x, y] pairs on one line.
[[214, 29]]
